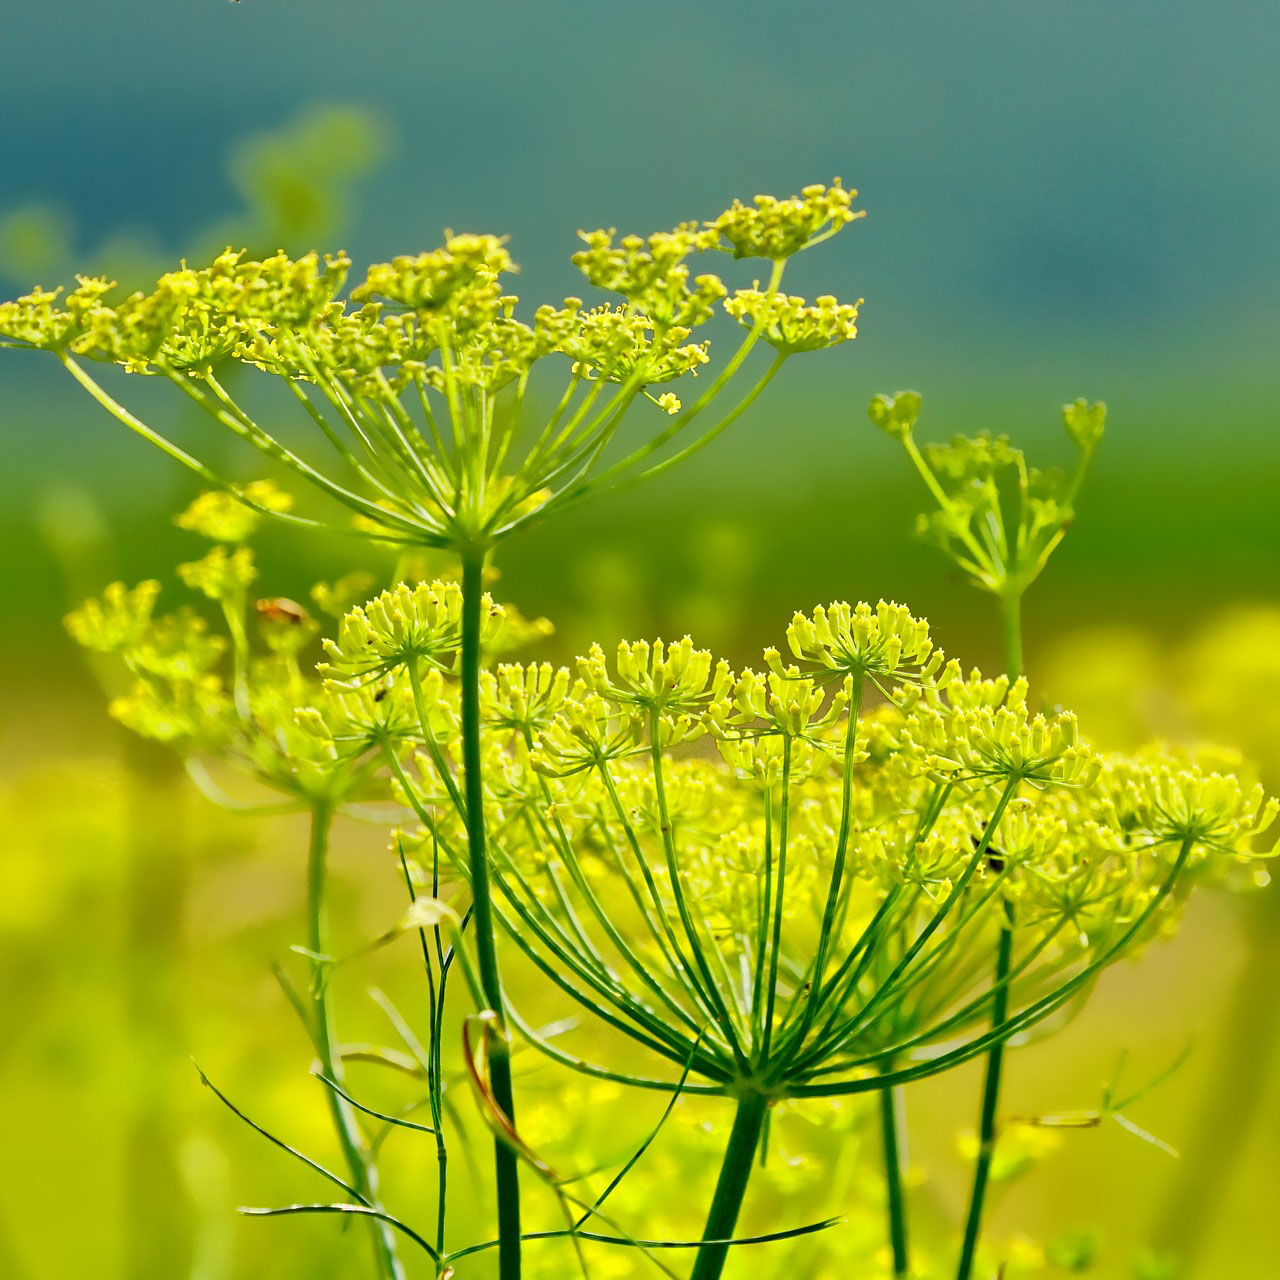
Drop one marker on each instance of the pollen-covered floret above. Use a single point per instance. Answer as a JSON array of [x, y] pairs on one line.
[[884, 644], [462, 274], [773, 228], [792, 325], [1003, 746], [524, 699], [656, 676], [622, 346], [420, 626]]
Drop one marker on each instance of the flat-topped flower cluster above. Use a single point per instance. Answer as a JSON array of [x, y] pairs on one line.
[[416, 378], [791, 875]]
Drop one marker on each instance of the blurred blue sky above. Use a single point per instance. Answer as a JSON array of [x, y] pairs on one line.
[[1064, 176], [1063, 199]]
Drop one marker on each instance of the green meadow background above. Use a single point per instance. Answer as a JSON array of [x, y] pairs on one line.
[[1063, 199]]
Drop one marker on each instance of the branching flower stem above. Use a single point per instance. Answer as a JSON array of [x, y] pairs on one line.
[[354, 1149]]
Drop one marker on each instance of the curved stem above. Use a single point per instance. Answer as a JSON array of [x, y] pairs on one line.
[[735, 1173], [354, 1150], [892, 1135], [506, 1170]]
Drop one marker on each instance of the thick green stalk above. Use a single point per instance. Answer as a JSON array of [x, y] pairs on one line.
[[506, 1171], [895, 1202], [354, 1150], [1011, 617], [735, 1173], [990, 1101]]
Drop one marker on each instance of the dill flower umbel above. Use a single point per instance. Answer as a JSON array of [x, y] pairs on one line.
[[420, 382], [818, 896]]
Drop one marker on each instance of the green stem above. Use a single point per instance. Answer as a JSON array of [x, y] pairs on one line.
[[506, 1171], [990, 1101], [1011, 618], [735, 1173], [891, 1126], [363, 1175]]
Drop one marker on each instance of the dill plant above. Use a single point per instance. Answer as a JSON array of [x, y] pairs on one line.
[[418, 382], [851, 869], [811, 910]]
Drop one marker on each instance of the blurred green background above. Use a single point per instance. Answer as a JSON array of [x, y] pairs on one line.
[[1063, 199]]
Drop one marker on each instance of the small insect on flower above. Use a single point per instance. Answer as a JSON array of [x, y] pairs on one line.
[[279, 608]]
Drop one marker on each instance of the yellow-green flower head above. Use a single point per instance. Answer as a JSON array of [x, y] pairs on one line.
[[222, 517], [885, 645], [671, 679], [699, 805], [189, 714], [1062, 869], [490, 356], [116, 620], [651, 273], [896, 415], [790, 324], [972, 460], [177, 646], [892, 852], [1214, 811], [223, 574], [36, 320], [773, 228], [170, 327], [195, 318], [421, 625], [767, 756], [338, 597], [1001, 745], [461, 275], [278, 290], [620, 345], [1085, 422], [357, 344], [588, 732], [524, 699], [950, 687], [358, 715], [776, 702]]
